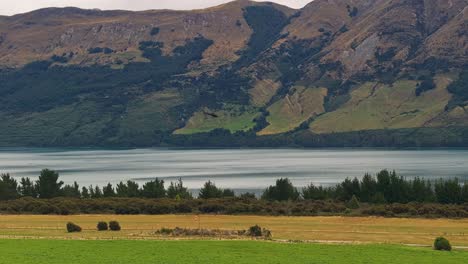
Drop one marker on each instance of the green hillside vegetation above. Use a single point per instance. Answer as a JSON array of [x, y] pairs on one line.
[[52, 126], [294, 109], [238, 252], [232, 117], [155, 112], [460, 89], [266, 23], [377, 106]]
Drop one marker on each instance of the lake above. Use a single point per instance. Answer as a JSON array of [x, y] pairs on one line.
[[240, 169]]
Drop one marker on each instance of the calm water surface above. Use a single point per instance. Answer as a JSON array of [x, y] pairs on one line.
[[238, 169]]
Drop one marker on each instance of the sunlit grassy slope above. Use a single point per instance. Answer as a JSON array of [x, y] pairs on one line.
[[232, 117], [294, 109], [381, 106]]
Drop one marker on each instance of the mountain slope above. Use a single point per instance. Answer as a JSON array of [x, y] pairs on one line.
[[255, 71], [43, 33]]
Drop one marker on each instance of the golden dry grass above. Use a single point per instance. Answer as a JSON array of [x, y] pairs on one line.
[[263, 91], [332, 229]]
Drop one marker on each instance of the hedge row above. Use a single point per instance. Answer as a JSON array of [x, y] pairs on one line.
[[230, 206]]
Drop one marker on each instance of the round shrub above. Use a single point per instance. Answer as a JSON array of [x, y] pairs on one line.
[[102, 226], [71, 227], [114, 226], [441, 243], [255, 231]]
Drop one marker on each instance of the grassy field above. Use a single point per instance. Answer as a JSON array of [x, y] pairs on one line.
[[331, 229], [122, 251]]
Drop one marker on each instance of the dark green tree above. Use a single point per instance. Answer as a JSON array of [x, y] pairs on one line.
[[85, 193], [154, 189], [312, 192], [108, 191], [448, 191], [368, 188], [72, 190], [177, 190], [383, 183], [8, 187], [228, 193], [465, 192], [91, 192], [48, 185], [398, 190], [95, 192], [210, 191], [27, 188], [378, 198], [350, 188], [122, 190], [421, 191], [133, 189], [282, 191]]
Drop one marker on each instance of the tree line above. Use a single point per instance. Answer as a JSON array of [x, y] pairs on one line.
[[385, 188], [48, 186]]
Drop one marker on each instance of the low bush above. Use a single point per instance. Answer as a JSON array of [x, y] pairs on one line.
[[71, 227], [114, 226], [255, 231], [185, 232], [166, 231], [102, 226], [441, 243]]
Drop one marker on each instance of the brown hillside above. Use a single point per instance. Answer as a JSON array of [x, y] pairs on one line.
[[247, 68], [55, 31], [450, 41], [367, 35]]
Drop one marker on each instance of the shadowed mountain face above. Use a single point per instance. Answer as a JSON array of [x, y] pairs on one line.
[[244, 72]]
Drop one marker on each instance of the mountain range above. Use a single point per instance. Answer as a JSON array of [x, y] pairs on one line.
[[334, 73]]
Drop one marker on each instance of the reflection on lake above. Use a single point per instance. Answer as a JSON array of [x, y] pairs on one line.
[[237, 169]]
